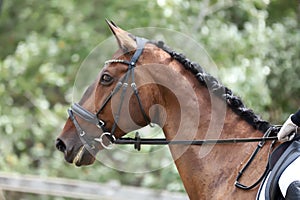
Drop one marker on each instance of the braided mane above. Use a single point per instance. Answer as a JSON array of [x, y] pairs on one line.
[[234, 102]]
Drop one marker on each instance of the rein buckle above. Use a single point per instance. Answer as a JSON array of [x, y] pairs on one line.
[[111, 139]]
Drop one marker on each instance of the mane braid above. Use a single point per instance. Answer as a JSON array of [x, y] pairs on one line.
[[234, 102]]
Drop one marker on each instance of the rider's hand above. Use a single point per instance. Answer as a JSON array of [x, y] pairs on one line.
[[287, 132]]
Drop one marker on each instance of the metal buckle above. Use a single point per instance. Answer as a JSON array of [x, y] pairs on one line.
[[100, 140], [101, 124], [82, 133]]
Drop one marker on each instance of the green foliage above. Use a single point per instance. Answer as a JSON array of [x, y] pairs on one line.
[[255, 44]]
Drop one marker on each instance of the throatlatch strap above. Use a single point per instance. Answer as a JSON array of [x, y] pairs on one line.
[[141, 42]]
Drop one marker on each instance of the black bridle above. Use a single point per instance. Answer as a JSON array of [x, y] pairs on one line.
[[137, 141], [123, 83], [109, 135]]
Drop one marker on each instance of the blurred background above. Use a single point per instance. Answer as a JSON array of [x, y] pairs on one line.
[[254, 43]]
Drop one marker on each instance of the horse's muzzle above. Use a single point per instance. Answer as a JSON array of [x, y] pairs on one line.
[[77, 155], [60, 145]]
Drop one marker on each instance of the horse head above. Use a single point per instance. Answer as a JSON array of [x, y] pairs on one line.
[[120, 100]]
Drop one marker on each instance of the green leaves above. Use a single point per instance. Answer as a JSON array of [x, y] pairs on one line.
[[255, 44]]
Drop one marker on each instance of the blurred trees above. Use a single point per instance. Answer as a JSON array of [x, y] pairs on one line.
[[255, 44]]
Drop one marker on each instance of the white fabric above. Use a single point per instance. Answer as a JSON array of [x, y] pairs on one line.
[[289, 175], [262, 195]]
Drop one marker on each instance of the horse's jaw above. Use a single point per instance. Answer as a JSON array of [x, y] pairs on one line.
[[83, 157]]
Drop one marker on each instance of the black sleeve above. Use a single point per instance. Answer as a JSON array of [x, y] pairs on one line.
[[296, 118]]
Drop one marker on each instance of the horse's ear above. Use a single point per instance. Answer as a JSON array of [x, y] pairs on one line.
[[125, 40]]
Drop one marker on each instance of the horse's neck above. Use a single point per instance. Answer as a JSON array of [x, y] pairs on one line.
[[198, 115]]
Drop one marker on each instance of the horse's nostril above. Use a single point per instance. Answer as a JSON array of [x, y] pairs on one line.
[[60, 145]]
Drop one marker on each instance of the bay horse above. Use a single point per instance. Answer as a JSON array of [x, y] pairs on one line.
[[169, 90]]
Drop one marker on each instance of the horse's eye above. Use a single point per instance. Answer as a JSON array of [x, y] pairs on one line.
[[106, 79]]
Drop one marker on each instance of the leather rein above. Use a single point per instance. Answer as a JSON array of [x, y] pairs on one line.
[[107, 138]]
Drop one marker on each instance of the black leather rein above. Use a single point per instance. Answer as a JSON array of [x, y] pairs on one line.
[[137, 141]]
